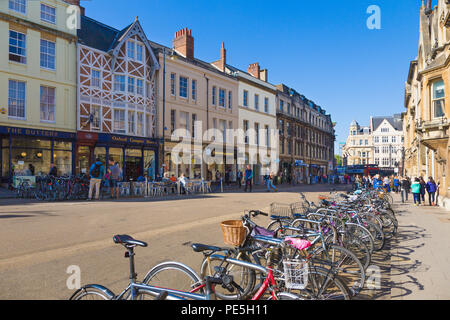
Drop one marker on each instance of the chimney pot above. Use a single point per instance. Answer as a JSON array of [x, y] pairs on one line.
[[184, 43]]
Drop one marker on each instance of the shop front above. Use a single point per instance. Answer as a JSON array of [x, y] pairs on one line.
[[30, 152], [136, 156]]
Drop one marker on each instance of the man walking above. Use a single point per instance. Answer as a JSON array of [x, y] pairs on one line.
[[96, 171], [116, 173], [248, 176]]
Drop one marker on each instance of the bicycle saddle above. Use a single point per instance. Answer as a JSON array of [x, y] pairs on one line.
[[127, 240], [198, 247]]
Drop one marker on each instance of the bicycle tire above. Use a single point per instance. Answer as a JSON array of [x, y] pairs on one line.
[[173, 275], [246, 278], [360, 232], [323, 285], [377, 234], [346, 265], [90, 293]]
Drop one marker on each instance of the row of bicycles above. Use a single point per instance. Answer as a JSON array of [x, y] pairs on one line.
[[51, 188], [308, 251]]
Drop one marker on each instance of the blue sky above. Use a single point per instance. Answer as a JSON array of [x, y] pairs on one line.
[[322, 48]]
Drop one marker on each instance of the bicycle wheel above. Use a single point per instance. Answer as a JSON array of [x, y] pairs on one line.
[[173, 275], [358, 247], [390, 225], [377, 235], [362, 233], [244, 277], [343, 263], [323, 285], [90, 293]]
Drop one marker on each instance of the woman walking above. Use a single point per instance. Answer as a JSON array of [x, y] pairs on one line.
[[423, 187], [431, 189], [415, 188]]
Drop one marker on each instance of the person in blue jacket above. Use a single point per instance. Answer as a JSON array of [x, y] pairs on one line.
[[431, 189], [248, 177], [97, 172]]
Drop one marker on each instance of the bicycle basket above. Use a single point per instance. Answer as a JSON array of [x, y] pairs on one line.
[[280, 209], [299, 208], [295, 274], [233, 232]]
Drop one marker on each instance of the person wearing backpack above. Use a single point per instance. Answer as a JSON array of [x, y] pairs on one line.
[[415, 188], [96, 171]]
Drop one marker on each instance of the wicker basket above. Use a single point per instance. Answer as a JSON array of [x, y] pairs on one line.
[[233, 232]]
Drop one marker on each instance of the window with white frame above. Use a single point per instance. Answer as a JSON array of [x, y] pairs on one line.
[[16, 99], [245, 98], [119, 120], [438, 99], [17, 47], [193, 125], [139, 52], [119, 83], [18, 5], [48, 53], [48, 104], [95, 78], [140, 124], [230, 99], [257, 133], [48, 13], [130, 84], [214, 96], [130, 49], [376, 139], [96, 117], [148, 126], [183, 87], [256, 102], [266, 105], [222, 98], [184, 120], [267, 131], [140, 87], [172, 84], [131, 122], [194, 90]]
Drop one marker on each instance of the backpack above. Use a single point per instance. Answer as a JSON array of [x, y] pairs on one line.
[[96, 171]]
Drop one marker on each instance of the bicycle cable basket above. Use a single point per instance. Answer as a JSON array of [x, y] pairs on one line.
[[280, 209], [295, 273]]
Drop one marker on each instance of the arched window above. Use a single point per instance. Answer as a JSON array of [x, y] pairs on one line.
[[438, 99]]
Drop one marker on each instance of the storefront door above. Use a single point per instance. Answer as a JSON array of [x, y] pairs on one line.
[[133, 164]]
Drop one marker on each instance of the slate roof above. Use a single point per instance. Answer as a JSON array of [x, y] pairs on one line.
[[395, 121], [97, 35]]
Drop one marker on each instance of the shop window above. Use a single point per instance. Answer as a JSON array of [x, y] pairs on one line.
[[116, 155], [62, 159], [100, 153], [21, 158], [150, 164], [83, 155]]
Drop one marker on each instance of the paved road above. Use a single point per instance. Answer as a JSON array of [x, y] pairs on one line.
[[41, 240]]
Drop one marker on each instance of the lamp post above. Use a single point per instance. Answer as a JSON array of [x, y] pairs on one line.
[[164, 110]]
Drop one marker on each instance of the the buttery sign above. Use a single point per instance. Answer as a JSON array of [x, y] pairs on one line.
[[36, 132]]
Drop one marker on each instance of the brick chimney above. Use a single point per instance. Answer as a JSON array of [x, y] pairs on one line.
[[263, 75], [77, 3], [183, 43], [254, 70], [222, 63]]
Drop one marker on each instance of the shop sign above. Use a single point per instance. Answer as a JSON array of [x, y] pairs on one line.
[[37, 132], [127, 140]]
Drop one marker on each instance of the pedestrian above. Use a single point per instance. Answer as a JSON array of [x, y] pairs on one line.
[[431, 189], [269, 182], [53, 170], [31, 168], [415, 188], [115, 177], [386, 183], [96, 171], [396, 184], [239, 178], [405, 186], [423, 188], [182, 180], [248, 176]]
